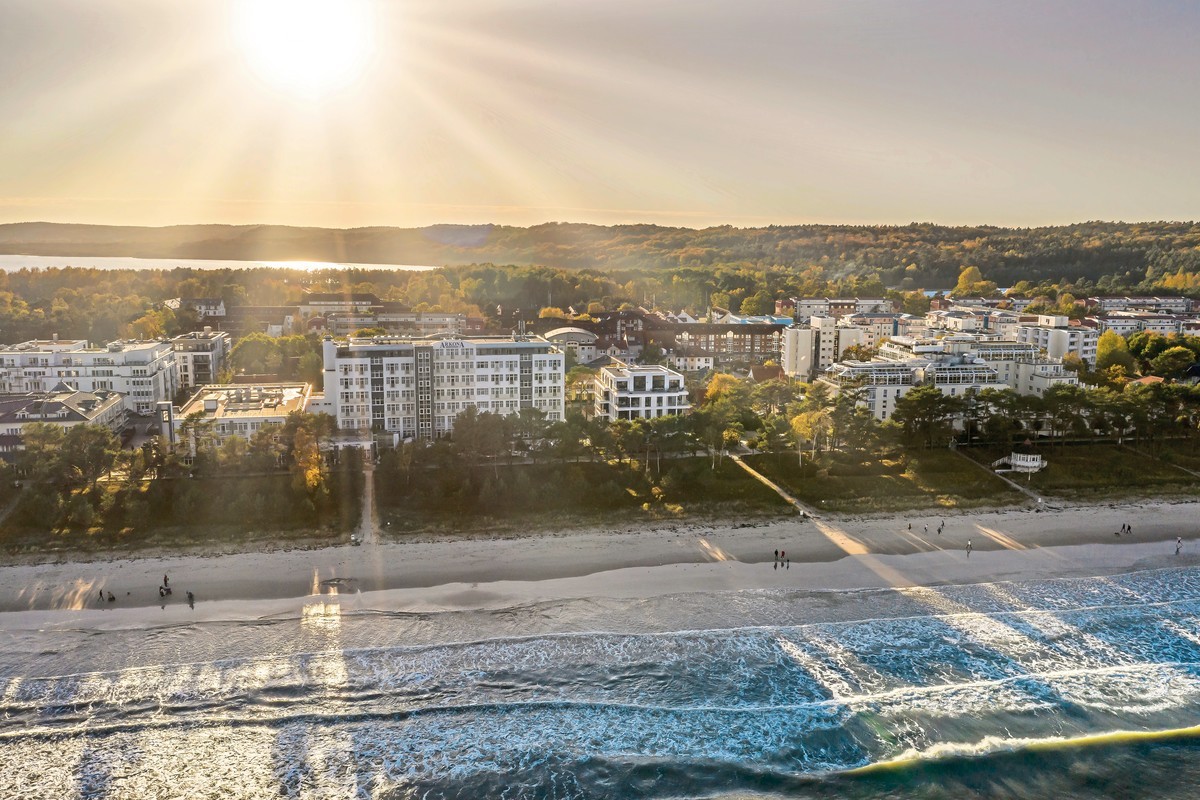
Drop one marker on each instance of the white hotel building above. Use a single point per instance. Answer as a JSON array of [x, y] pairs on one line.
[[143, 372], [416, 387]]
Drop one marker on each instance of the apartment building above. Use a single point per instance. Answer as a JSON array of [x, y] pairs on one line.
[[1169, 305], [580, 343], [325, 303], [62, 405], [748, 343], [201, 356], [1129, 322], [1057, 337], [808, 350], [397, 319], [228, 410], [804, 308], [142, 372], [416, 387], [626, 391], [954, 364]]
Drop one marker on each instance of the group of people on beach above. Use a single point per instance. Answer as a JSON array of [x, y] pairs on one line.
[[781, 560], [1125, 528], [163, 591]]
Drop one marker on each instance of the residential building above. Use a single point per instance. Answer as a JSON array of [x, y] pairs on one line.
[[808, 350], [726, 317], [143, 372], [1129, 322], [271, 320], [804, 308], [954, 319], [1170, 305], [204, 306], [579, 343], [689, 361], [750, 343], [1057, 337], [201, 356], [416, 387], [61, 405], [954, 364], [226, 410], [324, 303], [397, 319], [626, 391]]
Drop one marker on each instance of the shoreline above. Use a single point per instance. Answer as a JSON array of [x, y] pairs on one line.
[[451, 573]]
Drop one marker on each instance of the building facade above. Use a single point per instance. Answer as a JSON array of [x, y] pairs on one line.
[[728, 344], [808, 350], [1056, 337], [62, 405], [628, 391], [225, 410], [415, 388], [142, 372], [201, 356], [956, 365], [580, 343]]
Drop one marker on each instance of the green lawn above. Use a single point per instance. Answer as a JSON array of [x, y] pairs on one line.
[[1101, 470], [935, 479]]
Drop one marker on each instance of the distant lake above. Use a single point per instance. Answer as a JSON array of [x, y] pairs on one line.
[[10, 263]]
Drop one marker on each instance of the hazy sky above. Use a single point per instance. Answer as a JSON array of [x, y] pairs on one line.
[[682, 112]]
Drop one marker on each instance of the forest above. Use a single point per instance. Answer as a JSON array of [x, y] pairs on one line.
[[87, 491], [1103, 255], [626, 266]]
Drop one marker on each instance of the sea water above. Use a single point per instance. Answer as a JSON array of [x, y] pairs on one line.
[[1052, 688]]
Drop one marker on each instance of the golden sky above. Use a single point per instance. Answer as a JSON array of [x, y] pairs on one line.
[[347, 113]]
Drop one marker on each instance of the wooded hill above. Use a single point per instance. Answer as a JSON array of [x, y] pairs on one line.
[[911, 256]]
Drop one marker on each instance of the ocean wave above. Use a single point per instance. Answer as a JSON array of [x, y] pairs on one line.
[[335, 705]]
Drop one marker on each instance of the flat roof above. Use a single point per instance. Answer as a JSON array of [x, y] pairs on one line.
[[248, 401]]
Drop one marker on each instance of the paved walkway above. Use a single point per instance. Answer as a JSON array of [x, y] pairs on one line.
[[368, 530], [807, 510]]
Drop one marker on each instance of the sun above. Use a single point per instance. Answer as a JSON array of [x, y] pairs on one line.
[[306, 47]]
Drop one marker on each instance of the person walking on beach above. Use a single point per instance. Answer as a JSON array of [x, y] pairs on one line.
[[776, 555], [1178, 544], [191, 600], [166, 580], [968, 548]]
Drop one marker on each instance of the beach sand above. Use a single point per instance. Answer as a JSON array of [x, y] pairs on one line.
[[431, 575]]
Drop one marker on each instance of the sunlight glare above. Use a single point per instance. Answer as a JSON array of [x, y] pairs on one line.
[[307, 47]]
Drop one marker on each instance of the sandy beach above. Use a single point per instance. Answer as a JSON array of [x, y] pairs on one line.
[[432, 575]]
